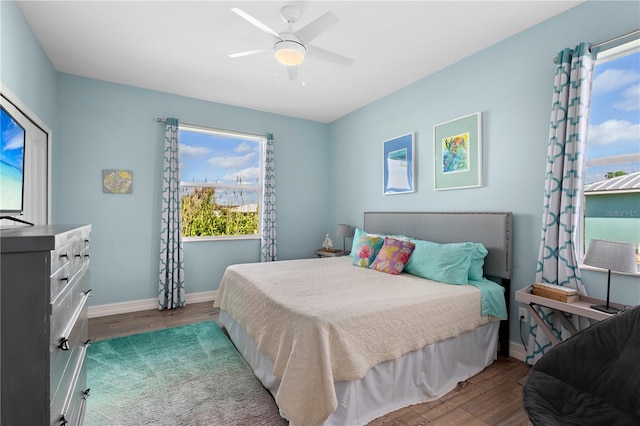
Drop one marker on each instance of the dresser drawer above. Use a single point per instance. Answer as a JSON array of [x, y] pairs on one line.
[[80, 250], [66, 263], [66, 407], [60, 280], [60, 257], [62, 361], [68, 309], [78, 405]]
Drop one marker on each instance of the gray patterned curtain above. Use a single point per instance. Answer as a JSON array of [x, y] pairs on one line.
[[171, 293], [268, 251], [557, 260]]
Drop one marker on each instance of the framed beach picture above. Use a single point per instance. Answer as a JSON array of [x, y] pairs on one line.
[[399, 164], [458, 153]]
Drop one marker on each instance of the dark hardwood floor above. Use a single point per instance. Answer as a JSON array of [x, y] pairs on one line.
[[493, 397]]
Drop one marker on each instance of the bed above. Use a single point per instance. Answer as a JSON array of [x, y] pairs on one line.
[[338, 344]]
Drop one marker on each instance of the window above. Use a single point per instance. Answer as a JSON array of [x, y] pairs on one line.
[[612, 169], [221, 186]]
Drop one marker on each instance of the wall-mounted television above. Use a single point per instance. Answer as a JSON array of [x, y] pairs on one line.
[[12, 145]]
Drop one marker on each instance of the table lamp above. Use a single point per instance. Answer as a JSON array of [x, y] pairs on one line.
[[612, 256], [344, 231]]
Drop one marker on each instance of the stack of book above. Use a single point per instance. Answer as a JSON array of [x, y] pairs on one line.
[[556, 292]]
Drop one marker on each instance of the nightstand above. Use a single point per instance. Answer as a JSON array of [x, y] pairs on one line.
[[330, 253], [581, 308]]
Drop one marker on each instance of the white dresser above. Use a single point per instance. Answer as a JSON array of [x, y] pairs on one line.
[[44, 287]]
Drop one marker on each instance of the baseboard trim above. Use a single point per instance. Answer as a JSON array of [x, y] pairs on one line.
[[517, 351], [204, 296], [143, 305]]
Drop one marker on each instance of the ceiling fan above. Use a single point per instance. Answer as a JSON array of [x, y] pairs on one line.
[[291, 47]]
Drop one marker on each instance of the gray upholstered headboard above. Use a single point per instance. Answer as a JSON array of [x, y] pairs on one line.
[[492, 229]]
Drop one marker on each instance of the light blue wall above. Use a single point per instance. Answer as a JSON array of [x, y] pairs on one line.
[[112, 126], [24, 68], [510, 83]]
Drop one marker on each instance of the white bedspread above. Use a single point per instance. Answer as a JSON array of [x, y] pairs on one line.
[[325, 320]]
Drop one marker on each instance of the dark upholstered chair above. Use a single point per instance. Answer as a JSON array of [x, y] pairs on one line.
[[592, 378]]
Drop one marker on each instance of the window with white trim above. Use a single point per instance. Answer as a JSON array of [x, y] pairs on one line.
[[612, 169], [220, 182]]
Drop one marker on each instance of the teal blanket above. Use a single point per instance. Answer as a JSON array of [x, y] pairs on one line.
[[492, 298]]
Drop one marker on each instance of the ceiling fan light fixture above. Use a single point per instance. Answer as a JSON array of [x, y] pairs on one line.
[[289, 52]]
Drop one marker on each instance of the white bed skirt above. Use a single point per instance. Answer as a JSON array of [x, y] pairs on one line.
[[393, 384]]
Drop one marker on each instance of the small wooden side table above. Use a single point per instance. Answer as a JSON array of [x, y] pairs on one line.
[[330, 253], [581, 308]]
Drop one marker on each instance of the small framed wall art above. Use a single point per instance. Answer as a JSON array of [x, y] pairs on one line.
[[117, 181], [399, 164], [458, 153]]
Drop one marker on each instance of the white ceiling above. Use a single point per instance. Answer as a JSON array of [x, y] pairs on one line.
[[181, 47]]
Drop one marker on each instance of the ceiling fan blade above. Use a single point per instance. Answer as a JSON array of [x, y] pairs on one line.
[[325, 55], [255, 22], [293, 72], [317, 27], [250, 52]]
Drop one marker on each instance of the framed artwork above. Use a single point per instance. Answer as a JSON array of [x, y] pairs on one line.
[[117, 181], [458, 153], [399, 164]]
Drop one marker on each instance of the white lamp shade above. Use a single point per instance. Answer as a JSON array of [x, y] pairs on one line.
[[344, 231], [612, 255]]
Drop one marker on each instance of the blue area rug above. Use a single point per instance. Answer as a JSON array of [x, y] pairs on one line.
[[187, 375]]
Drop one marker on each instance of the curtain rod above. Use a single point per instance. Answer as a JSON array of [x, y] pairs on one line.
[[229, 132], [603, 43], [164, 120]]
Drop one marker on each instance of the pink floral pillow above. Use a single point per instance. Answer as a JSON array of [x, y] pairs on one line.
[[393, 255], [366, 249]]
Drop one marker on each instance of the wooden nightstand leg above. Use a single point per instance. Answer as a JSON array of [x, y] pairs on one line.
[[542, 325], [565, 322]]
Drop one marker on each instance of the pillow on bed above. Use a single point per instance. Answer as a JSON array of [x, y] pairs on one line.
[[356, 236], [359, 233], [446, 263], [479, 252], [365, 249], [393, 256]]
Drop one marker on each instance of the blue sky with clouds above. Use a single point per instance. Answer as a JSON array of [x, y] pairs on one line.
[[205, 157], [11, 141], [614, 123], [212, 158], [11, 163]]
